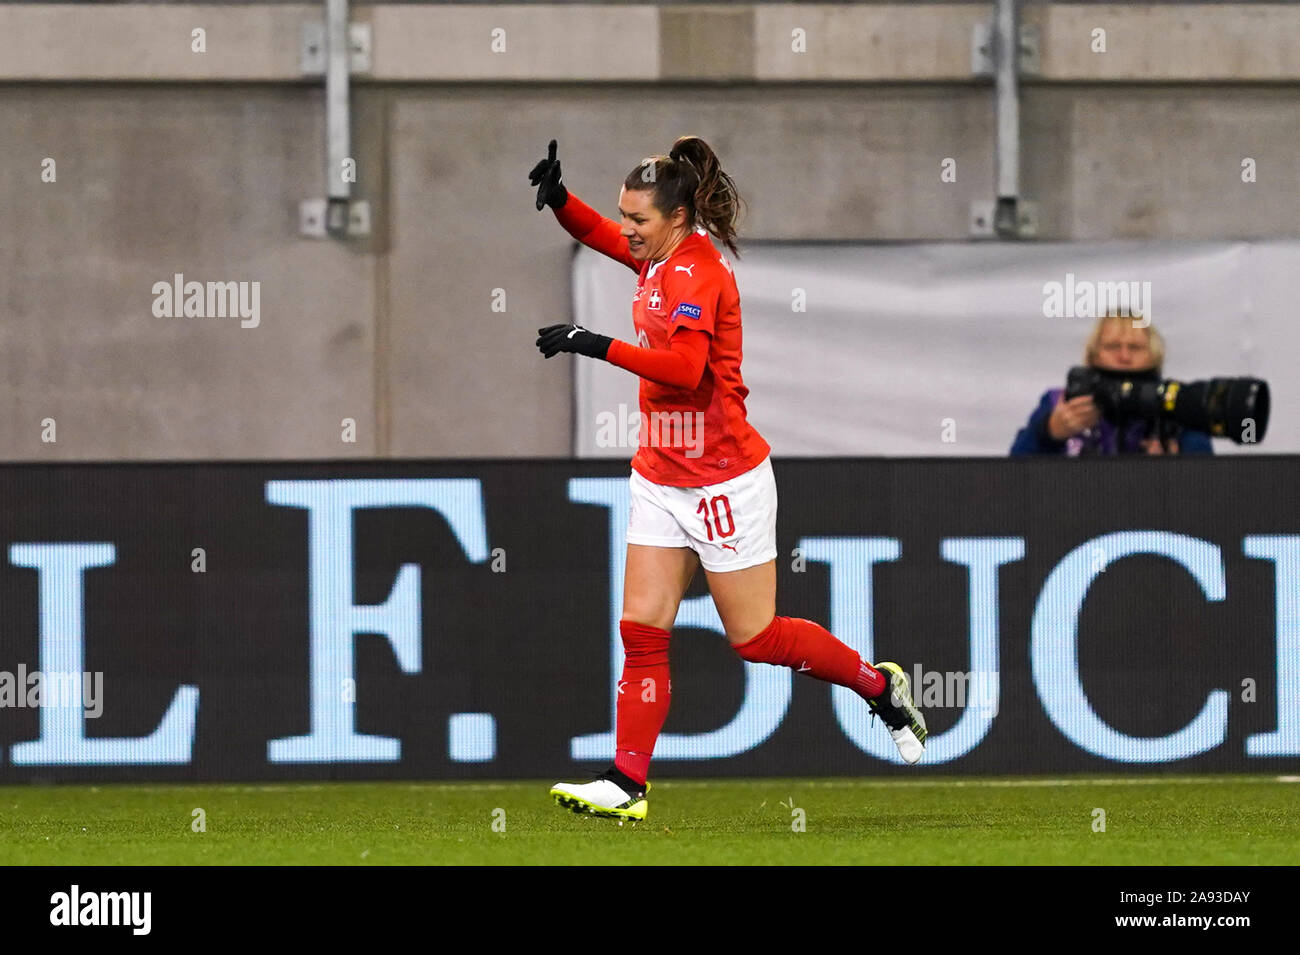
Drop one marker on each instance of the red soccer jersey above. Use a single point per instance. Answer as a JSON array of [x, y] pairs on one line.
[[689, 437]]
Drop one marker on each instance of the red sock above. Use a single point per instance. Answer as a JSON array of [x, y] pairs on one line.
[[643, 696], [810, 648]]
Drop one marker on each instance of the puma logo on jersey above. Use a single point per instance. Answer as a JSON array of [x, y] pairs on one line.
[[732, 548], [685, 268]]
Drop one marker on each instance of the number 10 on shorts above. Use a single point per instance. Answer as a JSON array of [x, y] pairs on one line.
[[707, 504]]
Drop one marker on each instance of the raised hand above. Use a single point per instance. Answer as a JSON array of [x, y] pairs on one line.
[[546, 176]]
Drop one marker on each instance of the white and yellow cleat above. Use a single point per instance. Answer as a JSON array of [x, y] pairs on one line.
[[603, 797], [899, 713]]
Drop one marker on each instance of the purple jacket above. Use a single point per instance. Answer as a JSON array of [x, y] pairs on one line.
[[1104, 438]]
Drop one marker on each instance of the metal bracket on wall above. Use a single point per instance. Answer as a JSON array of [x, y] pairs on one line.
[[312, 53], [321, 218], [981, 50], [1020, 219], [335, 49], [1005, 50]]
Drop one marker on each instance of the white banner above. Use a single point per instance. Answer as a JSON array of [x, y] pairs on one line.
[[944, 349]]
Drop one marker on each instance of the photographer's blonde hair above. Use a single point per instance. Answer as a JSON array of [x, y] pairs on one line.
[[1155, 341]]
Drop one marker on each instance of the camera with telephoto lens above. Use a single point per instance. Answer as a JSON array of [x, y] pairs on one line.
[[1234, 408]]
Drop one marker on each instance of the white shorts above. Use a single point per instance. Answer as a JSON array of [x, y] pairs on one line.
[[731, 525]]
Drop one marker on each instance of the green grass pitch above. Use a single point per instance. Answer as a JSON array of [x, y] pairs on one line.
[[1205, 820]]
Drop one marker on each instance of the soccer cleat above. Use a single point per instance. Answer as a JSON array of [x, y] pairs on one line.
[[899, 713], [602, 797]]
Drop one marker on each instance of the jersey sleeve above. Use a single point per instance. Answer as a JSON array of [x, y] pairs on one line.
[[595, 231], [680, 365], [691, 293]]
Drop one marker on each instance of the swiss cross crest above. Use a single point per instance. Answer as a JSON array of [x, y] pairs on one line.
[[655, 302]]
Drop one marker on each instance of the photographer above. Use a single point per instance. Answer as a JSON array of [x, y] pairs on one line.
[[1075, 426]]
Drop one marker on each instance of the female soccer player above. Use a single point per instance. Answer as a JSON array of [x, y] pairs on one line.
[[710, 502]]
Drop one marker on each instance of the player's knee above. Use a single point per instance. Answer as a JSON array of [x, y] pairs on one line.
[[642, 643], [659, 614], [755, 644], [743, 624]]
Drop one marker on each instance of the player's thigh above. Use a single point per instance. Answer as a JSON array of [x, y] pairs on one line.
[[746, 599], [654, 581]]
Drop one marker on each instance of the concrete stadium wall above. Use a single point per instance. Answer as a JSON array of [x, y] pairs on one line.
[[174, 162]]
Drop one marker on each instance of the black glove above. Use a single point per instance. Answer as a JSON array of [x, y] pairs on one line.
[[572, 338], [546, 177]]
